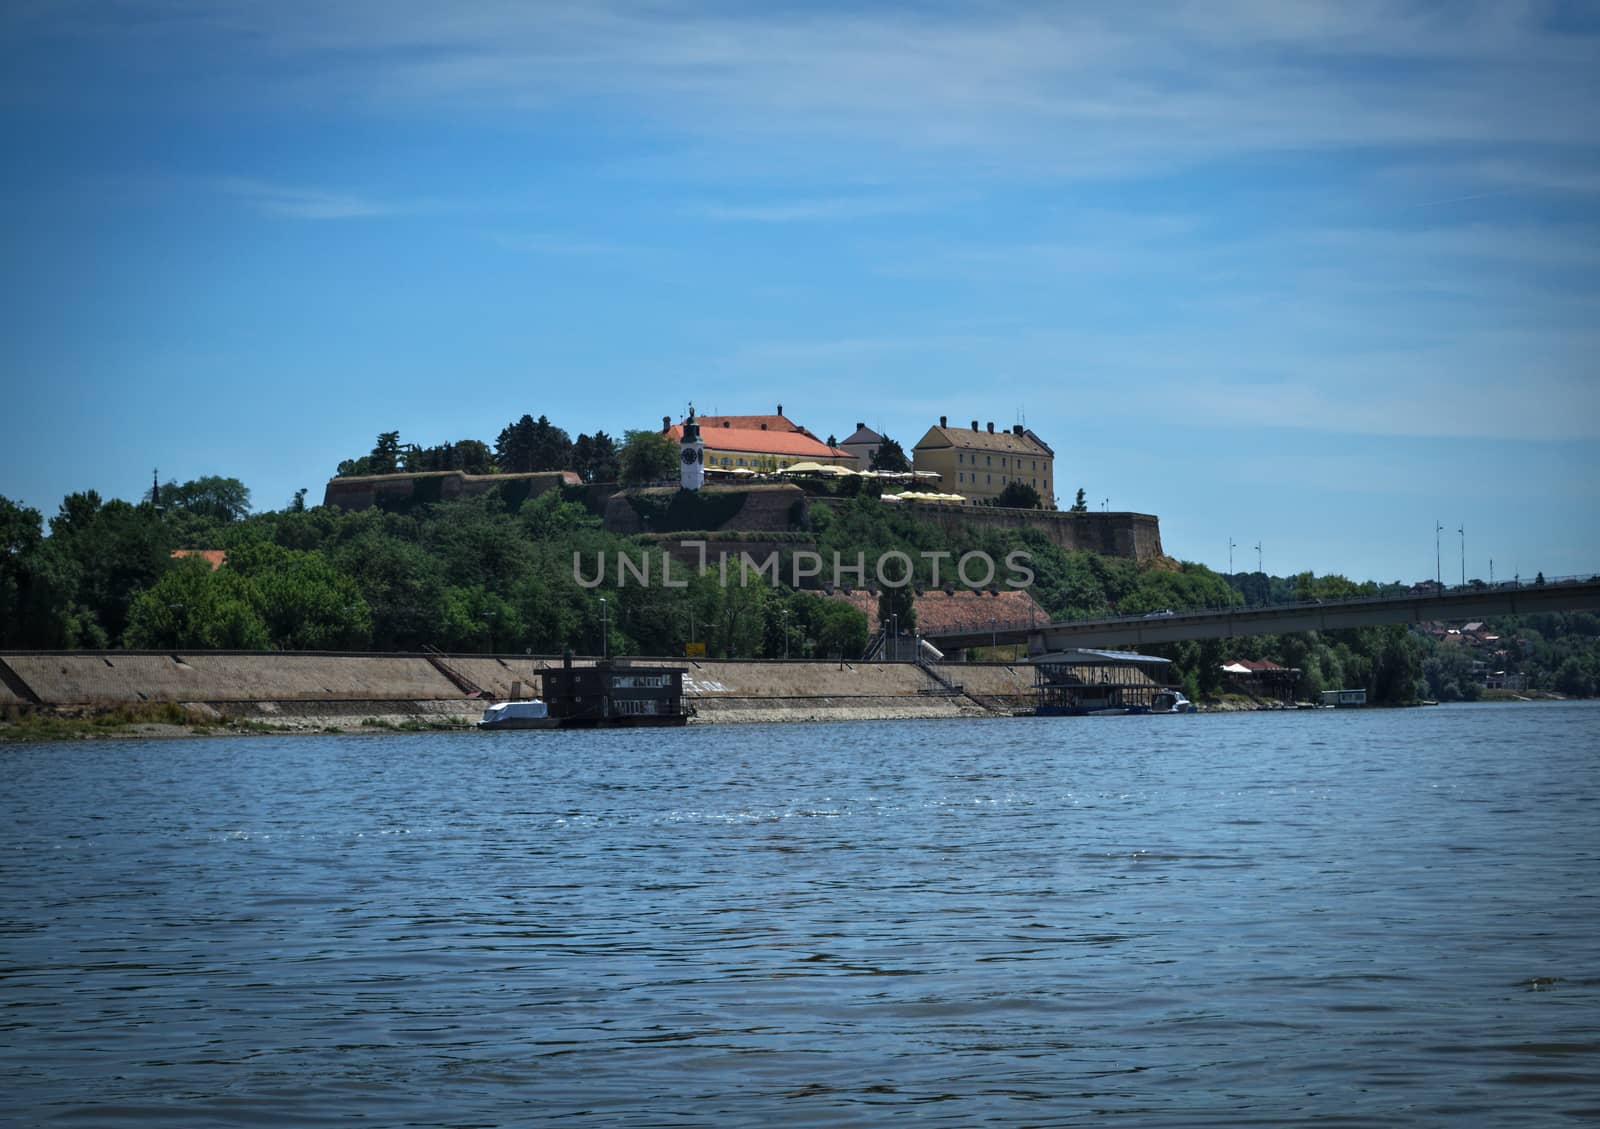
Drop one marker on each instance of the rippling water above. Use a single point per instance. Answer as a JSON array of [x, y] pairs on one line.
[[1362, 917]]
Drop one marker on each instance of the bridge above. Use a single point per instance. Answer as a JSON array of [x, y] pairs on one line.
[[1469, 602]]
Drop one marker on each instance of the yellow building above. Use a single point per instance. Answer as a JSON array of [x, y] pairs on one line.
[[979, 463]]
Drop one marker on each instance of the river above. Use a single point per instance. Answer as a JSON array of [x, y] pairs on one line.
[[1366, 917]]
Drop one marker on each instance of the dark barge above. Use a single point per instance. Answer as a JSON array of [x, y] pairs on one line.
[[607, 695]]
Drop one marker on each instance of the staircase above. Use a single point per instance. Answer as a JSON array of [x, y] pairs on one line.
[[461, 682], [939, 683]]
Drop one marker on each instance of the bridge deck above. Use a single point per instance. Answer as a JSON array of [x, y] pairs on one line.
[[1330, 615]]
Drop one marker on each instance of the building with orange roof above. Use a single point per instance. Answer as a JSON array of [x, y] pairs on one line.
[[758, 443]]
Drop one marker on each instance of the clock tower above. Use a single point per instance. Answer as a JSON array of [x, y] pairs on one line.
[[691, 455]]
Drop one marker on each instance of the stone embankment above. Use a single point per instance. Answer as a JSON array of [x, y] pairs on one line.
[[302, 691]]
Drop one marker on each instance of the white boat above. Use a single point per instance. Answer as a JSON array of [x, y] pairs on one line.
[[1171, 701], [517, 715]]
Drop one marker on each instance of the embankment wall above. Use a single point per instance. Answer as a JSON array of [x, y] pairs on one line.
[[305, 683]]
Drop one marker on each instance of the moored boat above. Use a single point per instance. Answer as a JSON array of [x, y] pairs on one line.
[[518, 715]]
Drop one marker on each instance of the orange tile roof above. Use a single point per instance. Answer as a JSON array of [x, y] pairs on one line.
[[940, 612], [755, 441], [753, 423]]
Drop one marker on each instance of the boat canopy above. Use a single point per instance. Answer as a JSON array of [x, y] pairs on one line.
[[507, 711]]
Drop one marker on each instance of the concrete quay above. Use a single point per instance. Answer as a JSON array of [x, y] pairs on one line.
[[312, 691]]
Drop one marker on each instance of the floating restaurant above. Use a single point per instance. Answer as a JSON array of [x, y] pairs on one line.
[[607, 695], [1088, 682]]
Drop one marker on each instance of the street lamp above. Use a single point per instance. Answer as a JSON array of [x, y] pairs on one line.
[[1258, 559], [894, 634], [1231, 544], [604, 633], [785, 612], [1463, 532], [1438, 573]]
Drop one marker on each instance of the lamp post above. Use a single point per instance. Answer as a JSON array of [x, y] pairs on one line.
[[1258, 559], [1231, 544], [785, 632], [1438, 573], [1463, 532], [894, 634], [604, 633]]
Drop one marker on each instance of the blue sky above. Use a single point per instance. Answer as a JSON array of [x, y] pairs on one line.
[[1312, 276]]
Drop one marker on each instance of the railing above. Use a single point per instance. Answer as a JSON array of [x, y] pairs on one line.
[[1428, 591]]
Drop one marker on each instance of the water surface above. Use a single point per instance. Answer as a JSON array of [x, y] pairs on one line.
[[1356, 917]]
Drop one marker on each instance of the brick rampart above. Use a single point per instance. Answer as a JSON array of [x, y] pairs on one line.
[[1133, 536], [361, 492]]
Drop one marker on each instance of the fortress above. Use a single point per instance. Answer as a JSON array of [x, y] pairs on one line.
[[742, 509]]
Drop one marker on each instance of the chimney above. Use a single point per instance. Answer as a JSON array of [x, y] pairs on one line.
[[859, 425], [944, 422], [780, 409], [1016, 429], [764, 426], [974, 425], [991, 427], [666, 422], [725, 423]]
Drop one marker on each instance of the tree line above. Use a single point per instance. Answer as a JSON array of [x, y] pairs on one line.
[[496, 574], [523, 446]]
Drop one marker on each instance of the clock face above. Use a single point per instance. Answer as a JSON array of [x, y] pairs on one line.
[[690, 456]]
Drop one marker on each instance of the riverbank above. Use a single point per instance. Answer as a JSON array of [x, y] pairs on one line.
[[68, 694]]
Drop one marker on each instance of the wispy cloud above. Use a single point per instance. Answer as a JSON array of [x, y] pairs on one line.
[[1073, 90], [825, 209], [304, 203]]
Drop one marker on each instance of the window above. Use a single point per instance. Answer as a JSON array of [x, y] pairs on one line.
[[960, 458], [988, 480], [988, 460]]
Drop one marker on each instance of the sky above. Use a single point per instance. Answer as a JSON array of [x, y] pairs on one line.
[[1319, 278]]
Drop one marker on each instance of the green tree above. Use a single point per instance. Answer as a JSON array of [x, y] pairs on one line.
[[1398, 667], [834, 628], [889, 456], [1018, 495], [213, 496], [532, 445], [402, 585], [98, 557], [385, 457], [21, 533], [1079, 505], [305, 603], [647, 456], [594, 457], [194, 608], [900, 604]]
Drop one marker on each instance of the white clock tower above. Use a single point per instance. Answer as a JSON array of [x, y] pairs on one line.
[[691, 455]]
